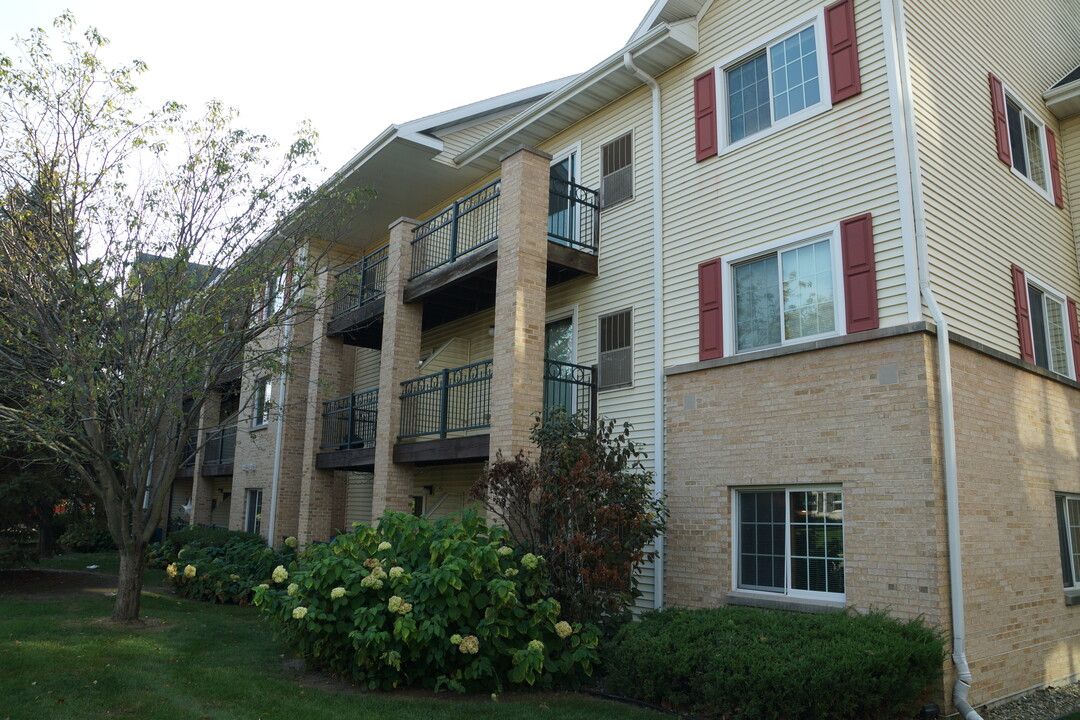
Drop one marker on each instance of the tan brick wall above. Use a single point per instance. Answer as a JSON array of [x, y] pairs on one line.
[[826, 417], [517, 373], [811, 418], [393, 482], [201, 491], [330, 366], [1016, 446]]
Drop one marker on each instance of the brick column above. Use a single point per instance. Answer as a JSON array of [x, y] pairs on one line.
[[322, 492], [200, 486], [400, 355], [517, 382]]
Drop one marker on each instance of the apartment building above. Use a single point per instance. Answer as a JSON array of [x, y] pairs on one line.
[[744, 232]]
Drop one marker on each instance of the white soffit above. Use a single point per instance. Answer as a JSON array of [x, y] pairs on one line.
[[1063, 98], [660, 49]]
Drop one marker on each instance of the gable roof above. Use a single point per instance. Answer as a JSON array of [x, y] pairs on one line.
[[1063, 97], [670, 12]]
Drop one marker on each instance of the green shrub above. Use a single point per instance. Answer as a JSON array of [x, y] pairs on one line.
[[447, 604], [225, 573], [208, 537], [87, 533], [738, 662]]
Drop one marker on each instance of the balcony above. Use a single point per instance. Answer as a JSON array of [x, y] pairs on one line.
[[358, 305], [219, 451], [348, 431], [455, 253], [451, 409]]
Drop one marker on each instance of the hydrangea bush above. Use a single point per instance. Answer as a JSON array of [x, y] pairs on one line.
[[225, 573], [446, 604]]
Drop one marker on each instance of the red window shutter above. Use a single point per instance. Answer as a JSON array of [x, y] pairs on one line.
[[860, 277], [1055, 169], [1074, 331], [705, 114], [1001, 125], [710, 311], [1023, 314], [843, 50]]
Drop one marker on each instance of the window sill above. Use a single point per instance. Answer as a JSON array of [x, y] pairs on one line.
[[785, 602], [1045, 193], [1072, 597], [256, 428]]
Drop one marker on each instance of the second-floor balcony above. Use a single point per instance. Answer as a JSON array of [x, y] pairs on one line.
[[348, 422], [219, 450]]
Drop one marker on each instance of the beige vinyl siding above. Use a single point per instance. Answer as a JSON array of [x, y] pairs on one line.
[[221, 504], [366, 364], [358, 499], [179, 495], [980, 216], [811, 175], [450, 487], [625, 272], [460, 342], [1070, 167], [457, 139]]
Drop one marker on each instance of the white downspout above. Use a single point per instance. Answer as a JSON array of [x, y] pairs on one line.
[[658, 313], [910, 159]]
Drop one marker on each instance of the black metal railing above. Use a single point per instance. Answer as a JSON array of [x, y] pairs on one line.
[[349, 422], [190, 448], [573, 215], [453, 400], [466, 225], [571, 388], [361, 282], [220, 448]]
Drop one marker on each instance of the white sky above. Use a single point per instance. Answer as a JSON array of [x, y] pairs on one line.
[[352, 68]]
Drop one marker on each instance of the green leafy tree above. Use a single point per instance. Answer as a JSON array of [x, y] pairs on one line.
[[586, 505], [145, 254]]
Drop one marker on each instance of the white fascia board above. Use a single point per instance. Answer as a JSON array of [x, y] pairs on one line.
[[685, 32], [656, 14]]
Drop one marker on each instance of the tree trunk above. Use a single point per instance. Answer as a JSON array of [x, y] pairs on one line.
[[129, 589]]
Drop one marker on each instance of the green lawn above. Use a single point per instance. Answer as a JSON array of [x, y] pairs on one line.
[[60, 659]]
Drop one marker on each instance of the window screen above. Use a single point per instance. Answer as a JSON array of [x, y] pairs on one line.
[[616, 349], [617, 171]]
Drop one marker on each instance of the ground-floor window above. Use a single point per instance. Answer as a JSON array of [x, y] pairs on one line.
[[790, 541], [253, 513], [1068, 516]]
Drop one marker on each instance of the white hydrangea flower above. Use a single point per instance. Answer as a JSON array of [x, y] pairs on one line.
[[299, 613], [337, 593], [280, 574]]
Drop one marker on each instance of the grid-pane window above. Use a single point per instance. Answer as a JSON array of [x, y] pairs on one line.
[[1048, 333], [779, 81], [616, 171], [1027, 143], [1068, 516], [253, 511], [791, 541], [616, 350], [794, 74], [785, 296]]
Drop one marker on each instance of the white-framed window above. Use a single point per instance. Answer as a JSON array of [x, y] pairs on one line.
[[773, 83], [616, 344], [274, 292], [789, 541], [617, 171], [263, 392], [1050, 337], [1027, 143], [1068, 517], [784, 292], [253, 511]]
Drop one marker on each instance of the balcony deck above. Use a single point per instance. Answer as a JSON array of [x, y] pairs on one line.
[[455, 259]]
